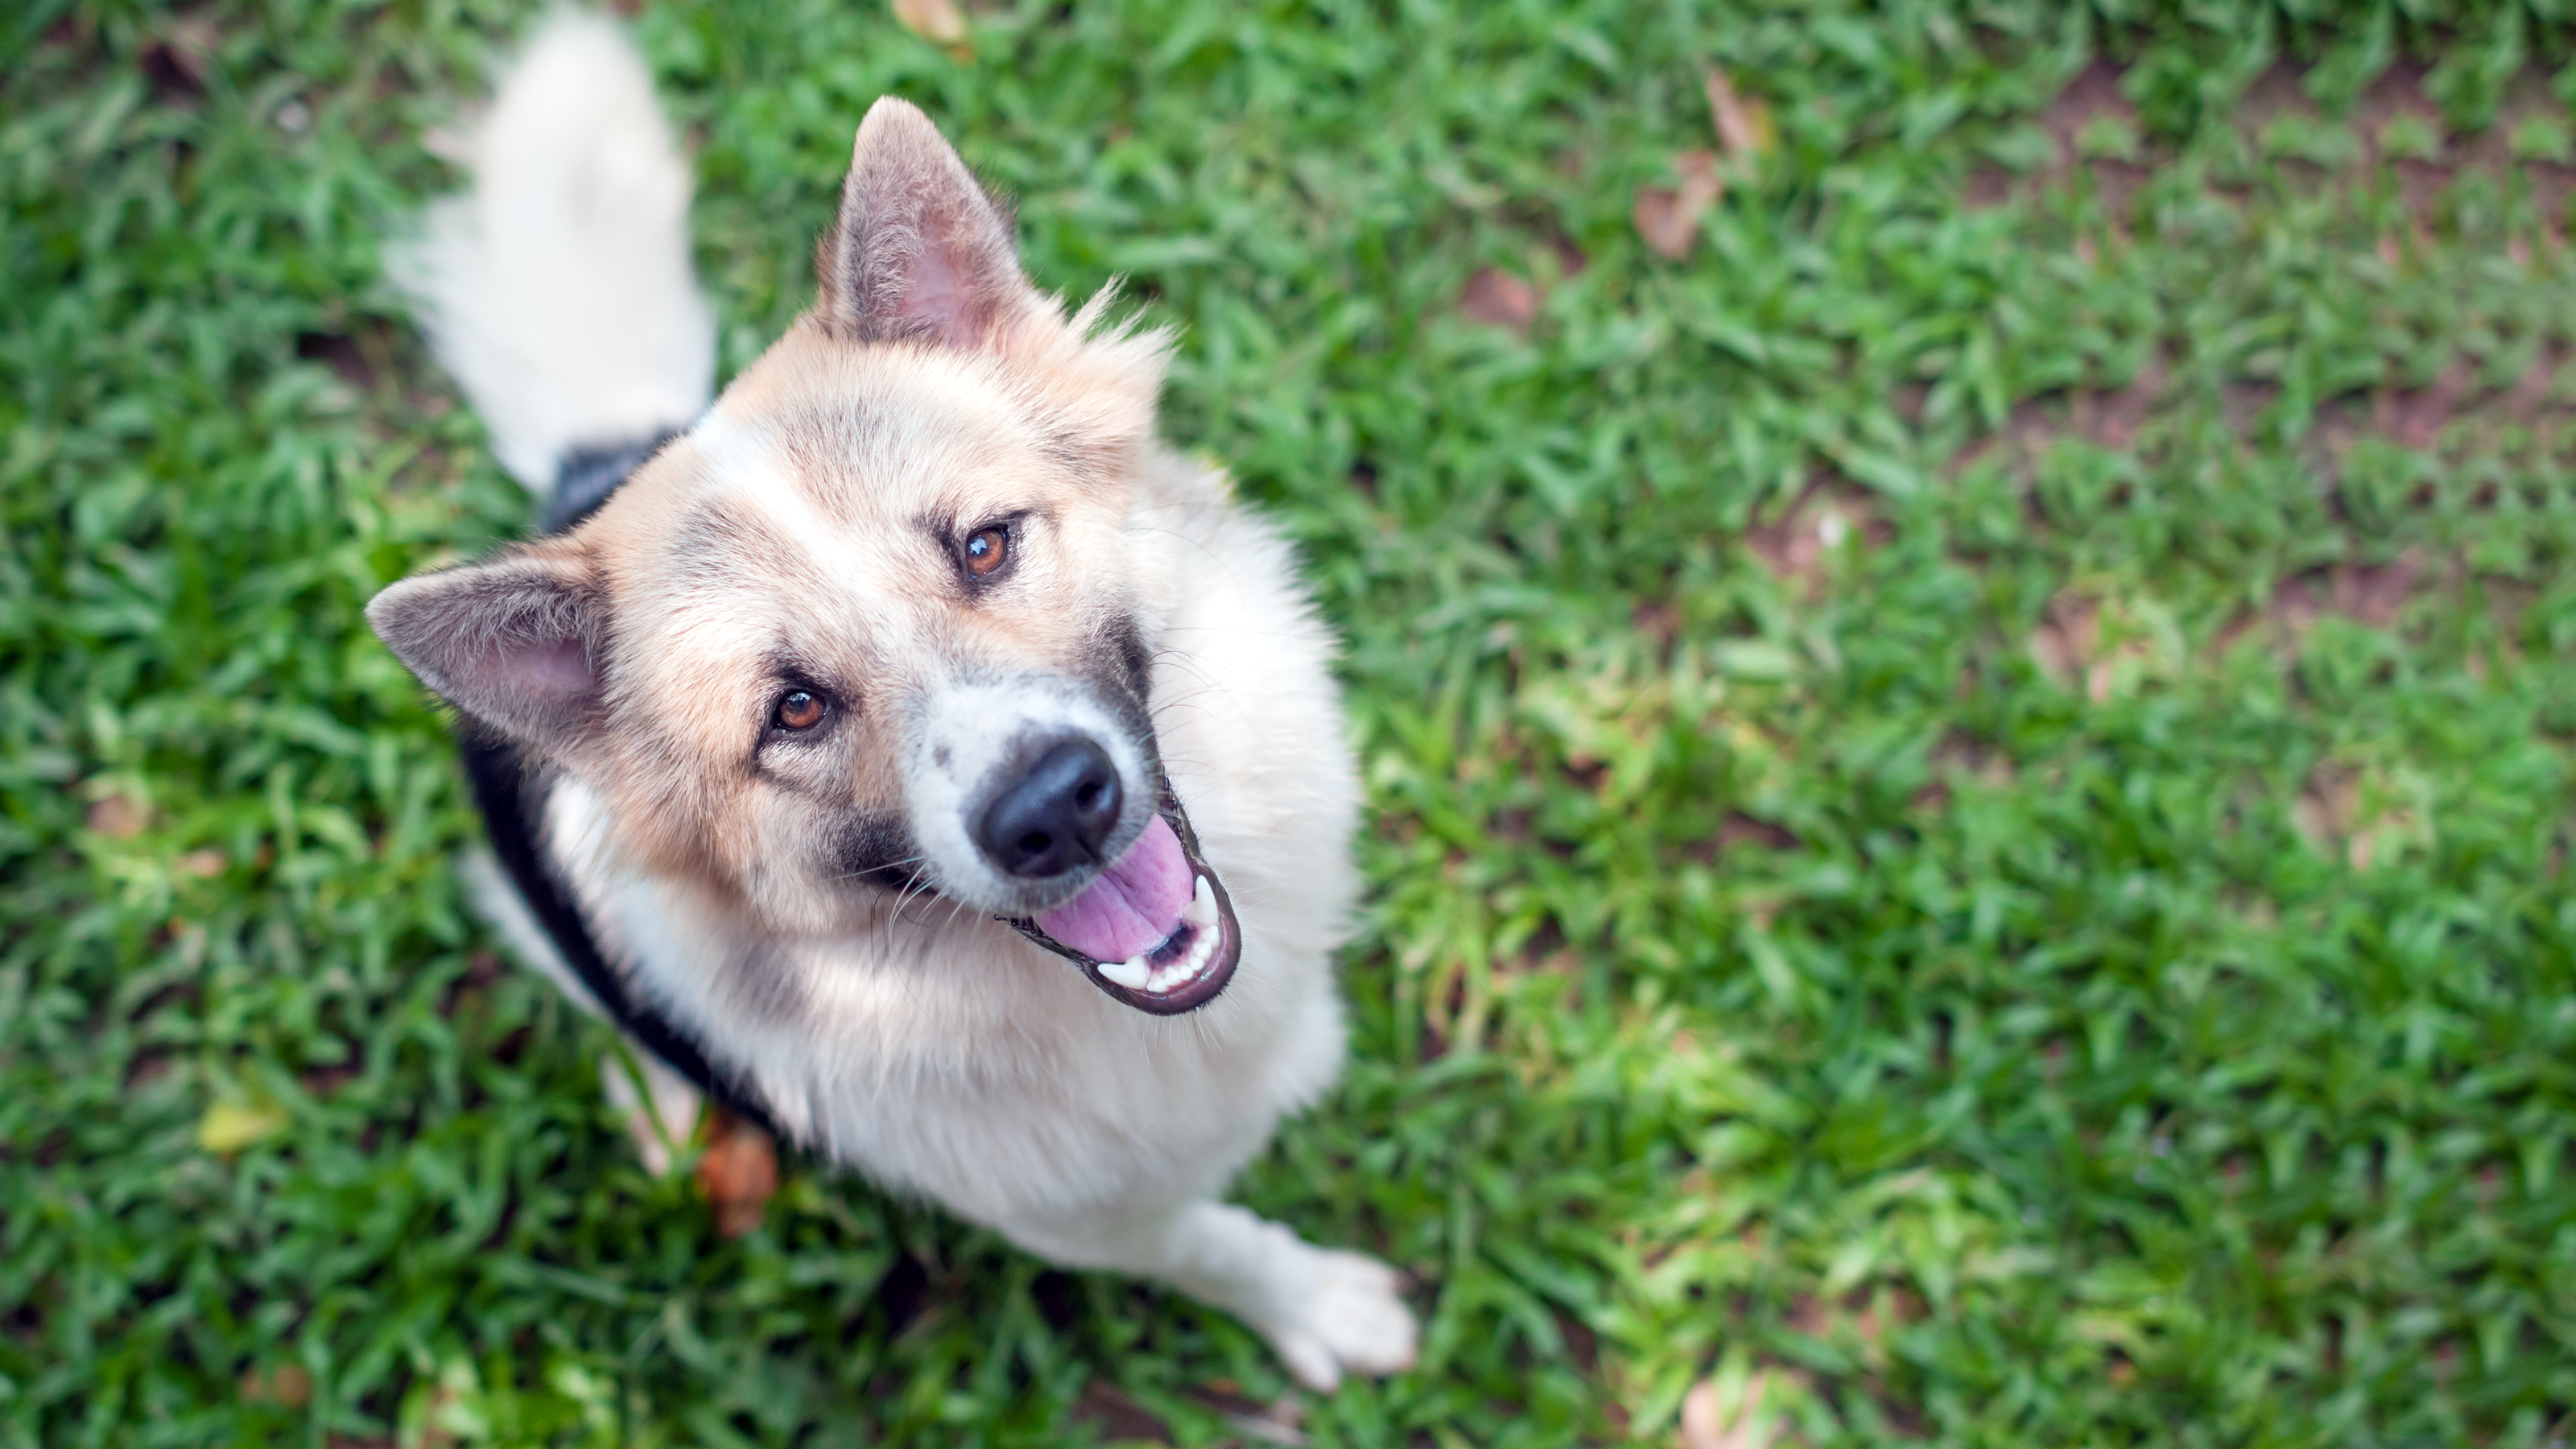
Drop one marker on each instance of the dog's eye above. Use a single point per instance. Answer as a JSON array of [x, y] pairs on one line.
[[799, 709], [985, 550]]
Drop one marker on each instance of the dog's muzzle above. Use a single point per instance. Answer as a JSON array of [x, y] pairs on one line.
[[1151, 924]]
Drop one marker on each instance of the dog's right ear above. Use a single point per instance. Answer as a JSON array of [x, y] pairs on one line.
[[514, 643], [919, 250]]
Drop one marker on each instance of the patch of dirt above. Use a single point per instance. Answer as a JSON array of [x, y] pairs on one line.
[[1740, 829], [2395, 92], [2112, 418], [2106, 417], [1987, 186], [2326, 806], [2535, 396], [1796, 546], [2094, 95], [2371, 594], [1862, 1315], [2068, 631], [2415, 417], [1657, 619], [2331, 815], [2240, 403]]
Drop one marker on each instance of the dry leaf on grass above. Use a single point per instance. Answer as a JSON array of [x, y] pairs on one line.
[[1712, 1418], [738, 1173], [1743, 124], [287, 1384], [937, 21], [119, 817], [1499, 299], [232, 1123], [1669, 220], [203, 864]]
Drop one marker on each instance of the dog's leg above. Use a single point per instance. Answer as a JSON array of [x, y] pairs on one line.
[[1325, 1312]]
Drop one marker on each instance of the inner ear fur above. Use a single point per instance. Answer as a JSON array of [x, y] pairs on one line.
[[515, 643], [919, 251]]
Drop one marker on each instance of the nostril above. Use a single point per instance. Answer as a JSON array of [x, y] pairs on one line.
[[1055, 813]]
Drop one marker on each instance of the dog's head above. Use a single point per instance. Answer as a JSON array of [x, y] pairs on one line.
[[872, 634]]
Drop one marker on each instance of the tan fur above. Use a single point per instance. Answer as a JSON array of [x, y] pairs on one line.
[[855, 456]]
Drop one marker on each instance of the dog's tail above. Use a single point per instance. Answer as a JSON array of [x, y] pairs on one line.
[[559, 289]]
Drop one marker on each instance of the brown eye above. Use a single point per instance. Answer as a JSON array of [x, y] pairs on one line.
[[802, 709], [985, 550]]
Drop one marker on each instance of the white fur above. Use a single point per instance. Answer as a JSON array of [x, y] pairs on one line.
[[559, 289]]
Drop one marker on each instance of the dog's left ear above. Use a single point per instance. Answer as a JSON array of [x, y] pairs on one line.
[[919, 251]]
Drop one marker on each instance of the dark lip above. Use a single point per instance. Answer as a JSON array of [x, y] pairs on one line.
[[1209, 986]]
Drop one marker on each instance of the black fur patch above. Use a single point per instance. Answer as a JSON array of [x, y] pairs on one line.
[[586, 476], [1119, 660], [878, 847]]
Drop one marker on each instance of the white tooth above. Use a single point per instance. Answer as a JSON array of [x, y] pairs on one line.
[[1130, 973], [1202, 907]]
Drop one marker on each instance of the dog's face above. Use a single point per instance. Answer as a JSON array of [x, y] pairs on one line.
[[869, 637]]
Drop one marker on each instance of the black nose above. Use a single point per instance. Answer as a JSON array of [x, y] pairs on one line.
[[1055, 814]]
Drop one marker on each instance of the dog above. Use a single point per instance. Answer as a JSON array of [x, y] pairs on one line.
[[905, 748]]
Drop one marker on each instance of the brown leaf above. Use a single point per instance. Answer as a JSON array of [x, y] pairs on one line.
[[1499, 299], [1710, 1421], [1669, 220], [1739, 828], [119, 816], [286, 1384], [204, 864], [1743, 125], [2067, 634], [937, 21], [737, 1173]]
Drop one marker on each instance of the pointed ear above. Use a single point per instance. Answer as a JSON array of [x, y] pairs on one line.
[[514, 643], [919, 250]]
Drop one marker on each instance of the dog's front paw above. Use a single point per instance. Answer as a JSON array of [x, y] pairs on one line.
[[1351, 1319]]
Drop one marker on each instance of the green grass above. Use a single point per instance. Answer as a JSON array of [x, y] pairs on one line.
[[2087, 958]]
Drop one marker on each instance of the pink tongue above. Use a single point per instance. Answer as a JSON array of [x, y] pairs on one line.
[[1134, 904]]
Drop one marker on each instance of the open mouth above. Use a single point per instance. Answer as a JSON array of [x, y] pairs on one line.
[[1154, 929]]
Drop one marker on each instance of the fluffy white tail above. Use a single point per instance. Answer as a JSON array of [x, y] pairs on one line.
[[559, 289]]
